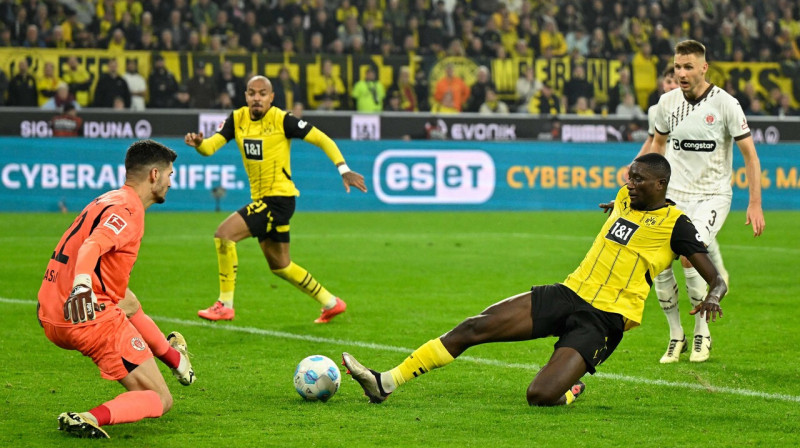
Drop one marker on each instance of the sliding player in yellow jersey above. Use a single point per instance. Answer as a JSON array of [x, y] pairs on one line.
[[591, 309], [262, 133]]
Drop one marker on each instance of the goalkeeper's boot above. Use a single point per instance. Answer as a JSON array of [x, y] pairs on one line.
[[369, 379], [328, 314], [184, 372], [80, 425], [702, 348], [218, 311], [674, 350]]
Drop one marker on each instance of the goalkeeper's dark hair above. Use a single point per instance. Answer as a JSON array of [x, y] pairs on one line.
[[656, 164], [144, 154]]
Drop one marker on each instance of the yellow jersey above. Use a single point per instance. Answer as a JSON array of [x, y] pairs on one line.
[[265, 146], [632, 248]]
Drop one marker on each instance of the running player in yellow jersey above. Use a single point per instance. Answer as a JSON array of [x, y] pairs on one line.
[[263, 134], [591, 309]]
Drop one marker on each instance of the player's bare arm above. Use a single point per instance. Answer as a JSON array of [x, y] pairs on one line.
[[717, 288], [193, 139], [752, 167], [659, 144]]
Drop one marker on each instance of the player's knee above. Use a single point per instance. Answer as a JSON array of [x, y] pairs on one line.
[[166, 401], [538, 396]]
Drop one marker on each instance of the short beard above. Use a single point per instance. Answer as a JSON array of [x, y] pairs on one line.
[[255, 116]]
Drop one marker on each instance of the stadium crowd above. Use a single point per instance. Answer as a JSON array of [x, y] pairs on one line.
[[641, 34]]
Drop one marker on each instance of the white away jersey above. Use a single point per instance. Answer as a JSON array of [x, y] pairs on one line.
[[651, 119], [702, 134]]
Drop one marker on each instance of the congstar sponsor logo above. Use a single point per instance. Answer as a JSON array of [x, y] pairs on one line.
[[434, 177], [695, 145]]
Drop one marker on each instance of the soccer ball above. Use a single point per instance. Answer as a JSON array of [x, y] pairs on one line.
[[317, 378]]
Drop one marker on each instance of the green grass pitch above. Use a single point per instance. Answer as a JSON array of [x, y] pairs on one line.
[[407, 278]]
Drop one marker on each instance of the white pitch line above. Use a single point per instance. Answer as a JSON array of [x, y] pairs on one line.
[[483, 361]]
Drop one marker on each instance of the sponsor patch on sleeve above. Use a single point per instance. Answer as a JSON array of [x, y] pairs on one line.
[[115, 223]]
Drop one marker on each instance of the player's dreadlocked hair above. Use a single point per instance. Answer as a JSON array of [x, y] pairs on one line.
[[657, 164], [145, 153]]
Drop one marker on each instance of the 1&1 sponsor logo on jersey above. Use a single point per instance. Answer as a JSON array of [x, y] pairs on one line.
[[434, 177]]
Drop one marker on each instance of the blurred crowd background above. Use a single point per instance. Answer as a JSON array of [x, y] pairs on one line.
[[635, 37]]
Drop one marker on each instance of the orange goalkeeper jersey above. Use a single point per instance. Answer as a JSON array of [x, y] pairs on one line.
[[113, 221]]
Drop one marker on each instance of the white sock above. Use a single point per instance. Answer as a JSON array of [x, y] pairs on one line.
[[696, 287], [667, 292]]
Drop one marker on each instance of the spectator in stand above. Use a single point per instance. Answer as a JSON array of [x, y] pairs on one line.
[[68, 123], [178, 28], [137, 86], [493, 105], [110, 87], [477, 92], [741, 97], [785, 108], [182, 99], [404, 91], [297, 109], [162, 85], [285, 90], [47, 83], [193, 43], [202, 88], [61, 98], [577, 87], [455, 85], [629, 109], [527, 87], [224, 101], [326, 86], [3, 87], [57, 39], [623, 87], [323, 25], [348, 30], [422, 90], [492, 40], [234, 85], [32, 38], [582, 107], [166, 42], [546, 103], [446, 105], [756, 108], [117, 42], [22, 87], [5, 38], [369, 93], [204, 11], [551, 38]]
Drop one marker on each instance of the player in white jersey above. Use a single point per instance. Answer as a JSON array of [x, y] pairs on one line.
[[702, 122], [668, 83]]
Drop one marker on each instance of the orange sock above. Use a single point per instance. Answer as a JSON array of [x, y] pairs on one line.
[[155, 339], [129, 407]]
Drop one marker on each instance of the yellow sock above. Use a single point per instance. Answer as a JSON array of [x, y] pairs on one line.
[[228, 264], [305, 282], [569, 396], [429, 356]]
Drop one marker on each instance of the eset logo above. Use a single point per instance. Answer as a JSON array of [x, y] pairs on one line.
[[434, 177]]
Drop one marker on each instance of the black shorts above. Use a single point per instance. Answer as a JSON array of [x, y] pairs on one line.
[[557, 311], [268, 218]]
